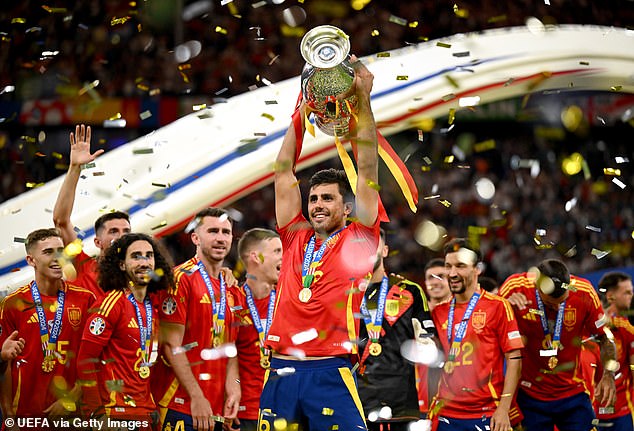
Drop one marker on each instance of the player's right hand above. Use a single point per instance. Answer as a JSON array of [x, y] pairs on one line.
[[518, 300], [201, 414]]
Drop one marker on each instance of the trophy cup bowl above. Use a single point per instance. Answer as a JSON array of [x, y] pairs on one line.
[[326, 74]]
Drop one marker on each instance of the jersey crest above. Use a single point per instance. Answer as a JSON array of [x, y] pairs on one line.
[[169, 306]]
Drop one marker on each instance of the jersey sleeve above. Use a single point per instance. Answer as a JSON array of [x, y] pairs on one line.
[[7, 323], [510, 338], [102, 323], [594, 323], [421, 307]]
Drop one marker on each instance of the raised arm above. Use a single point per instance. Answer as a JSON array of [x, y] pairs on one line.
[[367, 195], [288, 199], [79, 155]]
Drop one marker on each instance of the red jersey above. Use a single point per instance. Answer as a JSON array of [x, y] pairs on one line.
[[115, 327], [582, 315], [87, 269], [248, 345], [189, 304], [325, 325], [33, 390], [590, 364], [624, 339], [422, 387], [474, 387]]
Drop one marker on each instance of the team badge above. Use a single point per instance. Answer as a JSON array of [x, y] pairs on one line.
[[479, 320], [97, 326], [74, 316], [169, 306], [391, 307], [570, 317]]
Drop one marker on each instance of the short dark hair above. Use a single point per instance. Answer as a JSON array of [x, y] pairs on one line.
[[40, 235], [113, 215], [252, 237], [457, 243], [487, 283], [609, 282], [111, 277], [333, 176], [210, 212], [558, 273], [434, 263]]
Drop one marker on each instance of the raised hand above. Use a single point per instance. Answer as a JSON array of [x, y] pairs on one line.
[[80, 146]]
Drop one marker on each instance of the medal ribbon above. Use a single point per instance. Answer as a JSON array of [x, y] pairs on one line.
[[374, 327], [262, 331], [144, 331], [312, 259], [462, 328], [49, 342], [558, 323], [218, 311]]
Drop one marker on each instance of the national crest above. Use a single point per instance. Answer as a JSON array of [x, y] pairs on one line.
[[97, 326], [169, 306]]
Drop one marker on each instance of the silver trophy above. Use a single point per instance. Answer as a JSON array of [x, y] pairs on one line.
[[328, 73]]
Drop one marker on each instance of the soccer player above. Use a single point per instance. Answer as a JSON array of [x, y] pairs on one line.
[[615, 291], [314, 330], [438, 291], [555, 310], [196, 324], [387, 385], [261, 252], [479, 335], [114, 358], [108, 227], [49, 314]]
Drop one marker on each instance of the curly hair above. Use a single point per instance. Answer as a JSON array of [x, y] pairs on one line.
[[111, 277]]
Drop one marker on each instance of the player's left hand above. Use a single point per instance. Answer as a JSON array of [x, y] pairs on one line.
[[500, 420], [605, 391], [233, 394], [227, 274]]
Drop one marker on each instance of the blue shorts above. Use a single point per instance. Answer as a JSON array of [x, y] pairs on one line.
[[622, 423], [177, 421], [311, 395], [573, 413], [452, 424]]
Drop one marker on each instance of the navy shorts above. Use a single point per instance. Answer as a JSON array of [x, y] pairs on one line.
[[311, 395], [622, 423], [573, 413]]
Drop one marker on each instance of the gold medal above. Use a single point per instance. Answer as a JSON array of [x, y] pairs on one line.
[[449, 367], [375, 349], [144, 372], [552, 362], [264, 362], [216, 342], [48, 364], [305, 294]]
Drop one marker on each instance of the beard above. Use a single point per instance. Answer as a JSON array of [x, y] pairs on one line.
[[458, 289]]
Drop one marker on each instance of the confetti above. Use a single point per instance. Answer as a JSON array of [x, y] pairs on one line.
[[143, 151], [452, 81], [496, 19], [443, 45], [461, 54], [445, 203], [145, 115], [487, 145], [383, 55], [584, 63], [19, 240], [116, 21], [374, 33], [612, 171], [402, 77], [54, 9], [599, 254], [618, 182], [452, 116], [98, 174], [269, 116], [160, 225], [593, 228], [397, 20], [448, 97], [616, 88], [460, 13], [220, 30], [620, 160]]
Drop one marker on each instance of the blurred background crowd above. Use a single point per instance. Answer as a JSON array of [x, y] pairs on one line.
[[515, 177]]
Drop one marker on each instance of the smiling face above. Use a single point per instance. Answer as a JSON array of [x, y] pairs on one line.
[[326, 209], [111, 231], [436, 283], [462, 272], [43, 257], [139, 263], [213, 237]]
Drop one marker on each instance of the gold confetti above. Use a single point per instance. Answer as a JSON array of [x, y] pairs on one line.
[[122, 20], [452, 116], [54, 9], [163, 223], [413, 24], [402, 77], [495, 19], [199, 107], [612, 171], [571, 117], [397, 20], [452, 81], [445, 203], [327, 411], [616, 88], [18, 20], [449, 159], [115, 117], [374, 185], [143, 151], [269, 116], [220, 30], [375, 33], [448, 97], [443, 45], [98, 174], [460, 13], [484, 146], [32, 185], [145, 115]]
